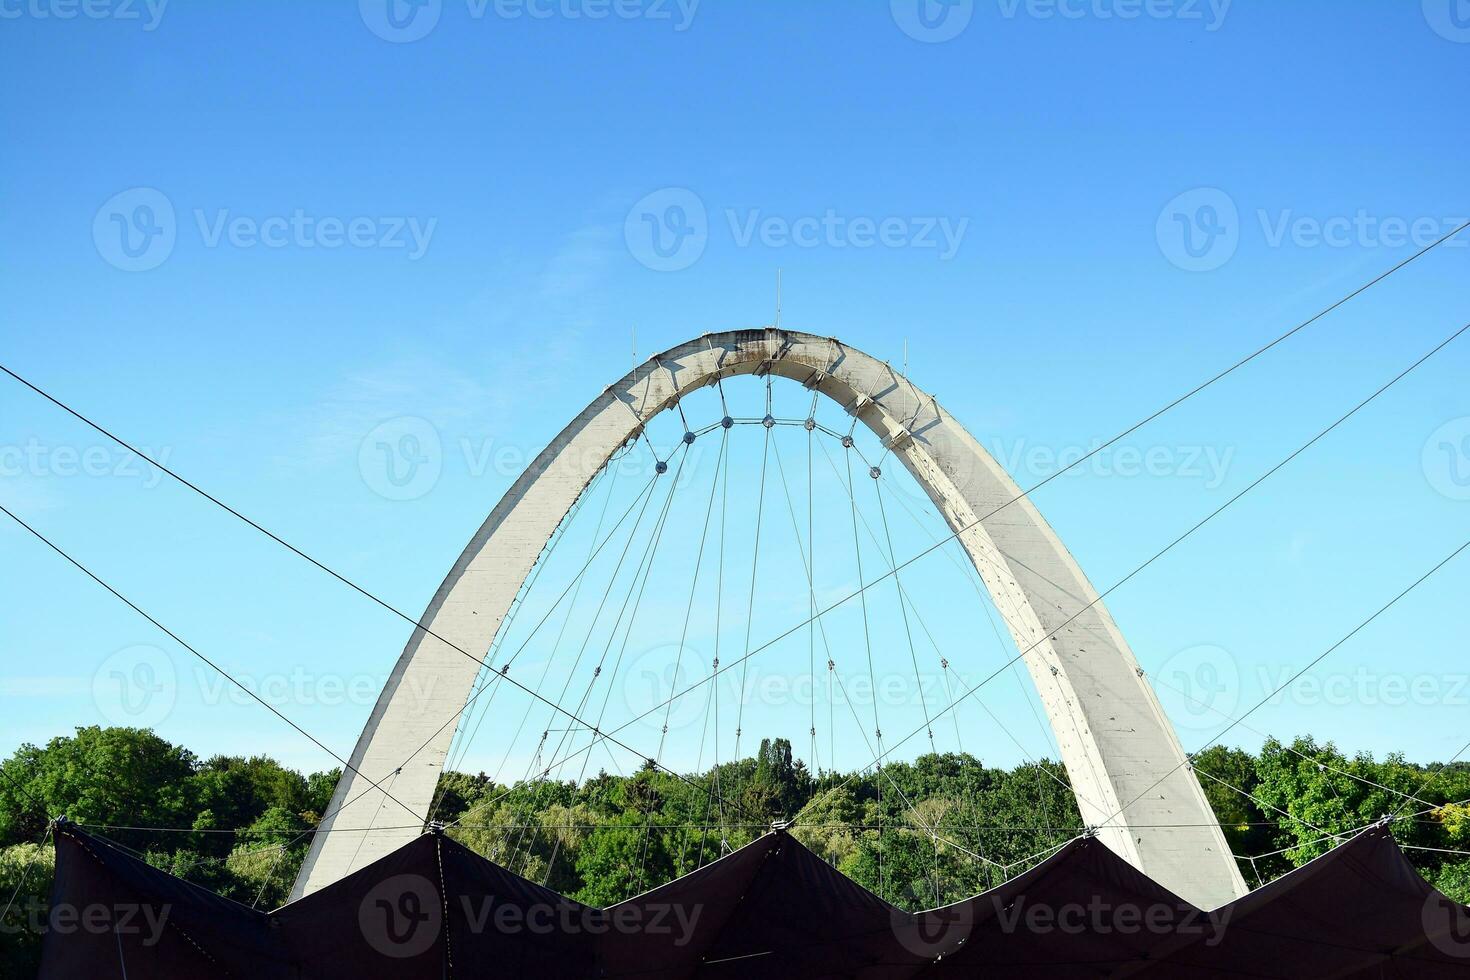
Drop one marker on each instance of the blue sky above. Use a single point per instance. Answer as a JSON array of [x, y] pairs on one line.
[[249, 236]]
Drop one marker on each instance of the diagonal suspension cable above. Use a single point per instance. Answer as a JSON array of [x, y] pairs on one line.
[[683, 637], [374, 598], [1157, 555], [466, 736], [638, 585], [1205, 520], [183, 643], [531, 804], [1323, 766], [1076, 462], [576, 590], [1293, 679]]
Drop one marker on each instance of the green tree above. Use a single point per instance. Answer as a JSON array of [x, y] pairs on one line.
[[110, 776], [26, 871], [620, 858]]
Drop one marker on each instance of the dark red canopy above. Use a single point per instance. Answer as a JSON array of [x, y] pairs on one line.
[[773, 909], [1359, 911], [113, 915], [1083, 912]]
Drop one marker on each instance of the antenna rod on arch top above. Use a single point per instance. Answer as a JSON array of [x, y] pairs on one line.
[[777, 324]]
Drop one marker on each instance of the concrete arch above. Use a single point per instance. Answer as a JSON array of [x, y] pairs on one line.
[[1114, 738]]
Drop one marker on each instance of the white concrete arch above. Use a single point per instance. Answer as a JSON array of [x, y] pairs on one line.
[[1114, 738]]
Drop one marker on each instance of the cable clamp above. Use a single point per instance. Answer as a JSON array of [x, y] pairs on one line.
[[898, 439]]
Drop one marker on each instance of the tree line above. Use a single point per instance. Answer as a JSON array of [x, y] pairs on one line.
[[923, 833]]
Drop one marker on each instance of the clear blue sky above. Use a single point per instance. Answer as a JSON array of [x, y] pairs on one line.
[[248, 235]]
